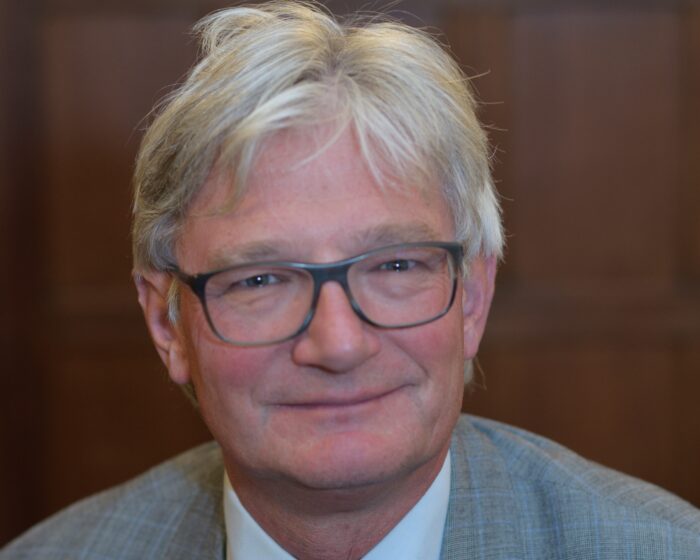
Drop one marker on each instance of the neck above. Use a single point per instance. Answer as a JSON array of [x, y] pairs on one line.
[[332, 524]]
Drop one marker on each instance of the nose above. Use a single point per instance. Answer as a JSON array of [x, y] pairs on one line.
[[337, 340]]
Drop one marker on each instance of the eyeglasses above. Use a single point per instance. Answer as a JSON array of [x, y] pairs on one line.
[[391, 287]]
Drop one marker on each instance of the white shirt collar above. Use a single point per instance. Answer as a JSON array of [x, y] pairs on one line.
[[418, 536]]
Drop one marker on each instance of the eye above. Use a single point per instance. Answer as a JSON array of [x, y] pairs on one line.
[[260, 281], [398, 265]]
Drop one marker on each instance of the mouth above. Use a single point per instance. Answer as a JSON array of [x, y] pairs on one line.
[[341, 401]]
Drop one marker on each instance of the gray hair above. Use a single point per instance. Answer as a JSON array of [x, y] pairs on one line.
[[288, 64]]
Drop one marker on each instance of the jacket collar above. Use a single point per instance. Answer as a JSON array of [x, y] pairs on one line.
[[198, 531], [482, 520]]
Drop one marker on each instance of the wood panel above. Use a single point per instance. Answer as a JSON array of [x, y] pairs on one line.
[[606, 400], [686, 435], [20, 308], [595, 103], [113, 411], [598, 303], [689, 233], [102, 76], [106, 384]]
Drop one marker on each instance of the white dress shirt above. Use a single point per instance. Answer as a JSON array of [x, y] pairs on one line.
[[418, 536]]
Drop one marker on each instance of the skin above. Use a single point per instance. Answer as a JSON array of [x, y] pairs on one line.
[[331, 437]]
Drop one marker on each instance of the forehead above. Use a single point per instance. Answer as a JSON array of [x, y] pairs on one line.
[[306, 192]]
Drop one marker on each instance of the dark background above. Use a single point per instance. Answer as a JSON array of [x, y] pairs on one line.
[[594, 338]]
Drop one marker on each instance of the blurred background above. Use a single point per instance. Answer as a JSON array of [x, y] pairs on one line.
[[594, 338]]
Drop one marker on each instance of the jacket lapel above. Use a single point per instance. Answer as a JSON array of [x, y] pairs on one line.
[[482, 520], [198, 531]]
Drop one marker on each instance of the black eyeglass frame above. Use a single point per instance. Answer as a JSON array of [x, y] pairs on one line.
[[320, 274]]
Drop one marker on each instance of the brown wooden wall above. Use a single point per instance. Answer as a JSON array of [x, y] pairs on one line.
[[595, 333], [594, 338]]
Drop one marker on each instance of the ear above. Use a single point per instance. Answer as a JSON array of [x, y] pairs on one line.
[[152, 288], [477, 293]]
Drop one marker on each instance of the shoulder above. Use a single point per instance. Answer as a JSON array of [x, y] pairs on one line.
[[137, 519], [558, 500]]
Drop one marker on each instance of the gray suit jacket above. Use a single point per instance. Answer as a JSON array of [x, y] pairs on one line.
[[513, 495]]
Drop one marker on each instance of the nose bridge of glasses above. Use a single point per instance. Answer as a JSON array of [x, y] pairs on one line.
[[337, 272], [322, 273]]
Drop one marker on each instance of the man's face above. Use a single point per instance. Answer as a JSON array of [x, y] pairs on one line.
[[343, 404]]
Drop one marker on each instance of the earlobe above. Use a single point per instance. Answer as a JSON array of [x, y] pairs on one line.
[[152, 288], [477, 293]]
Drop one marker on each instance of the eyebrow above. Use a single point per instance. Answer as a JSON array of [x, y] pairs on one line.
[[247, 252], [391, 234], [358, 243]]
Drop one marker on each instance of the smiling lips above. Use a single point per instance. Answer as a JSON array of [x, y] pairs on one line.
[[341, 402]]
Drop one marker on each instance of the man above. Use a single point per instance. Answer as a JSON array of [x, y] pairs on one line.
[[315, 239]]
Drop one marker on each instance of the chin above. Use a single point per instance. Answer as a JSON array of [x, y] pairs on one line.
[[353, 460]]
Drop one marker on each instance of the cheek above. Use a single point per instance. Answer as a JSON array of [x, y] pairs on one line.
[[439, 343], [228, 380], [227, 374], [229, 383], [437, 348]]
